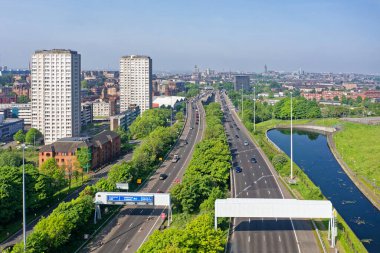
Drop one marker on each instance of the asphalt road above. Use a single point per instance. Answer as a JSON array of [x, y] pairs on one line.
[[257, 181], [15, 238], [132, 226]]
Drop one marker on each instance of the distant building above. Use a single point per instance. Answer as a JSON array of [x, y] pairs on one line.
[[135, 82], [8, 127], [21, 111], [56, 93], [241, 81], [101, 109], [166, 101], [86, 113], [124, 119], [103, 148], [21, 89], [350, 86]]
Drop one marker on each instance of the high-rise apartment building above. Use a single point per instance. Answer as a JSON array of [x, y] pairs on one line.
[[135, 82], [55, 96]]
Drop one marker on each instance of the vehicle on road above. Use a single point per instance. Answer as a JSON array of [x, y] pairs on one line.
[[175, 158], [159, 191], [253, 160], [237, 136], [238, 169], [191, 128], [163, 176], [245, 143]]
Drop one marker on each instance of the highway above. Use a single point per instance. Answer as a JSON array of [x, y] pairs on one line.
[[133, 225], [257, 180]]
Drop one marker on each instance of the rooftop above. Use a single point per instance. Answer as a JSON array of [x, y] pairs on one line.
[[136, 56], [56, 51]]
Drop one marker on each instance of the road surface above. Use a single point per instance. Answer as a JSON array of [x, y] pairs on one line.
[[133, 225], [257, 181]]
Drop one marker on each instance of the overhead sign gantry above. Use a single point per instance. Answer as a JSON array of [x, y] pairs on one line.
[[131, 198], [278, 208]]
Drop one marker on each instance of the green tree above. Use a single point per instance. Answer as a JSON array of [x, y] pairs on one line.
[[336, 98], [83, 84], [359, 99], [179, 116], [149, 120], [23, 99], [32, 136], [83, 155], [9, 158], [52, 170], [19, 136]]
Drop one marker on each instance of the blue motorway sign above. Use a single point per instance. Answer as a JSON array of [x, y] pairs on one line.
[[136, 199]]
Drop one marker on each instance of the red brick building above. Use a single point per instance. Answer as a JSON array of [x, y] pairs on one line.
[[103, 147]]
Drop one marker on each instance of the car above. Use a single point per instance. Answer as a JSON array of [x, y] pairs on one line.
[[163, 176], [159, 191], [245, 143], [238, 169], [237, 136], [191, 128], [253, 160]]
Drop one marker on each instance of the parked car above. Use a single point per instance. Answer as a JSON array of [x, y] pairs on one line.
[[253, 160], [245, 143]]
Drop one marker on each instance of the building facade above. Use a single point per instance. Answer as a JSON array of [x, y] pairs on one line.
[[56, 93], [241, 82], [103, 148], [8, 127], [125, 119], [135, 82], [86, 113]]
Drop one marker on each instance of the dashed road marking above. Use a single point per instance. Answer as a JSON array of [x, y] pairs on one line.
[[131, 224], [268, 192], [249, 238], [118, 241], [279, 238]]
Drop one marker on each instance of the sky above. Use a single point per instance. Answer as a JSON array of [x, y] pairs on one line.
[[237, 35]]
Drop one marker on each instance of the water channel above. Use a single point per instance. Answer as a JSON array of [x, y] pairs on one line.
[[312, 154]]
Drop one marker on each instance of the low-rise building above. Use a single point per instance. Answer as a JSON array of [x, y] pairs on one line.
[[125, 119], [86, 113], [103, 148], [101, 109], [167, 101], [9, 126]]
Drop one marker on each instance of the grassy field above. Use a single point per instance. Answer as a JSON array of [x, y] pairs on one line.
[[305, 189]]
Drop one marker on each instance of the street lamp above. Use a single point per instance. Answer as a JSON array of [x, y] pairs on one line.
[[254, 109], [242, 105], [23, 197], [292, 181]]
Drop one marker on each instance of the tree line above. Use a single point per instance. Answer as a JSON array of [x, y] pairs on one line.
[[205, 180], [71, 219]]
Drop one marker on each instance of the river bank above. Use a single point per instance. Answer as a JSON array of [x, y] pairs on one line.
[[329, 132]]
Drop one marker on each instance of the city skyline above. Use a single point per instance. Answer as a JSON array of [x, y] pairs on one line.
[[322, 36]]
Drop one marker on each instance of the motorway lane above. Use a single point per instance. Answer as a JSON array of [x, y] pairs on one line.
[[135, 224], [257, 181]]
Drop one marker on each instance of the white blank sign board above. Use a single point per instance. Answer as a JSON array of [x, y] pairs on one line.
[[273, 208]]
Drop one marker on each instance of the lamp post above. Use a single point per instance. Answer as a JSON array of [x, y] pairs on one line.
[[242, 105], [291, 139], [23, 198], [254, 109]]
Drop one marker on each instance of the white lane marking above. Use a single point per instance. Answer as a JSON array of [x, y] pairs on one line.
[[249, 238], [247, 193], [264, 237], [268, 192], [259, 167], [245, 183], [265, 181], [262, 173], [243, 175], [118, 241], [131, 224], [279, 238], [253, 174]]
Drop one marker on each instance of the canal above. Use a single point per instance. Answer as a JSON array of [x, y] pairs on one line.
[[312, 154]]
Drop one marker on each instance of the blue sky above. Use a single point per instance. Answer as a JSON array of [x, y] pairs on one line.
[[318, 35]]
